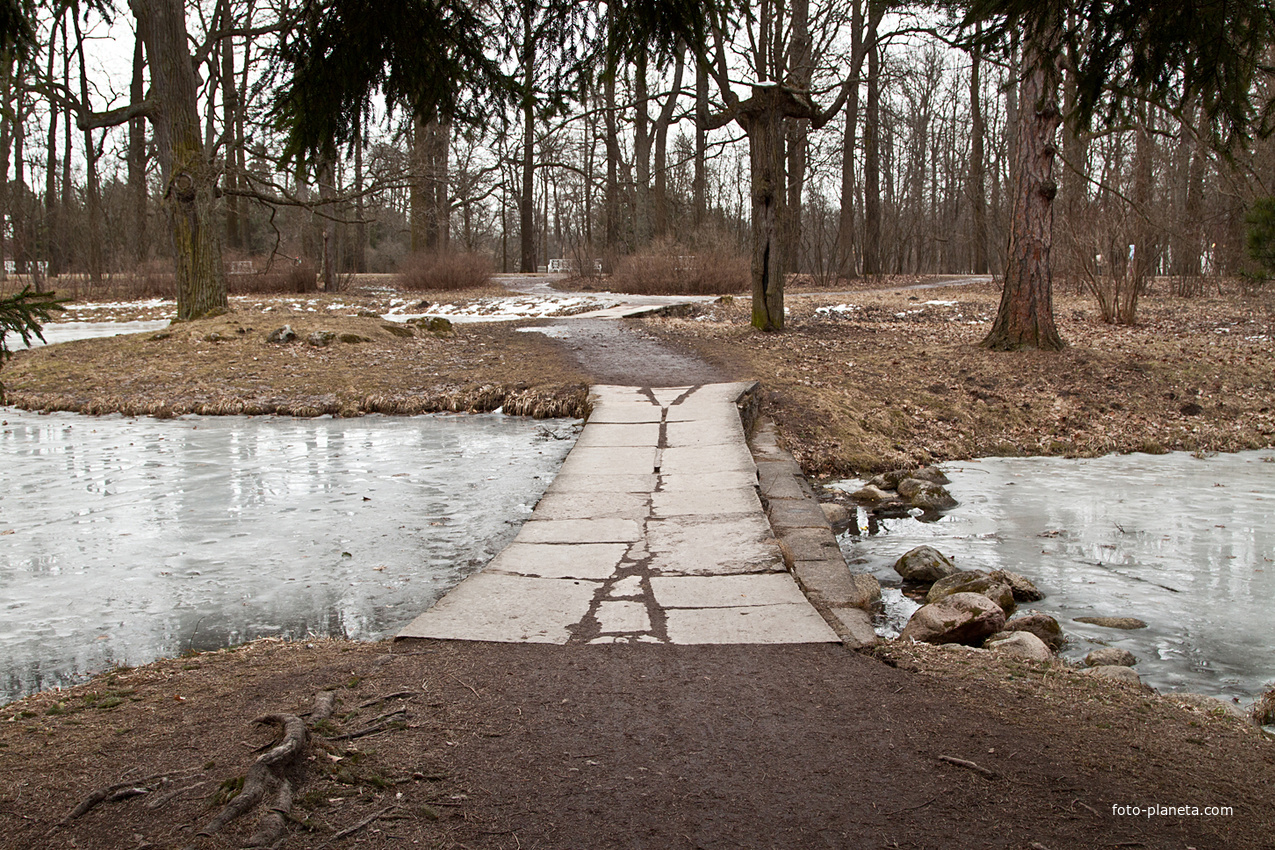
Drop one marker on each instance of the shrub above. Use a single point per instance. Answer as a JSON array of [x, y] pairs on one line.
[[444, 271], [667, 268]]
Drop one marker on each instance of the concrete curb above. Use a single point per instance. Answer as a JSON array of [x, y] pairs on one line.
[[810, 548]]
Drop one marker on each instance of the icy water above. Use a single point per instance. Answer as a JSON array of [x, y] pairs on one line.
[[56, 332], [1186, 544], [125, 540]]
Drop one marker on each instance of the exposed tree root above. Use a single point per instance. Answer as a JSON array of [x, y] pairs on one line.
[[117, 792]]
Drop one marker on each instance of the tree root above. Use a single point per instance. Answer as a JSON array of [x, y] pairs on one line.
[[117, 792], [273, 769]]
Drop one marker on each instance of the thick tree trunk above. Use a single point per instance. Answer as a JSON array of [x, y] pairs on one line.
[[137, 156], [978, 170], [700, 187], [360, 229], [1026, 315], [611, 202], [847, 263], [526, 203], [190, 181], [800, 73], [642, 227], [430, 202], [230, 117], [325, 176], [872, 162], [662, 123]]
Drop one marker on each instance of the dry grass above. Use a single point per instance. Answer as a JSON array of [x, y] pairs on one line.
[[444, 272], [895, 381], [671, 269], [224, 365]]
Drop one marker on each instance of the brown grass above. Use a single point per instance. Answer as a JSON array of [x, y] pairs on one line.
[[898, 382], [671, 269], [444, 272], [224, 365]]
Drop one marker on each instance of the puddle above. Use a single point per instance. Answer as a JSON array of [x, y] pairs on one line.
[[1184, 543], [125, 540]]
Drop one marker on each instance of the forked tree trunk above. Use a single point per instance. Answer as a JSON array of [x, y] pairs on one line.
[[1026, 315], [190, 181]]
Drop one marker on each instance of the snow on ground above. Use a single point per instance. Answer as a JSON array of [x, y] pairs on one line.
[[501, 309]]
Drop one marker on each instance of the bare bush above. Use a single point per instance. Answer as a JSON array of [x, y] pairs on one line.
[[444, 271], [668, 268]]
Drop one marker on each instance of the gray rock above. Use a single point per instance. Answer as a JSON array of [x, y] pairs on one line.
[[870, 494], [924, 564], [1019, 644], [960, 618], [282, 335], [926, 496], [1110, 656], [1116, 672], [834, 513], [1127, 623], [973, 581], [932, 474], [1042, 626], [889, 480], [1024, 590], [320, 339]]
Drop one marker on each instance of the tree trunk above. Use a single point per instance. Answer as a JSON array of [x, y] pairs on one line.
[[51, 229], [847, 265], [526, 203], [230, 116], [360, 229], [137, 156], [1026, 315], [797, 135], [611, 203], [325, 176], [978, 170], [6, 150], [190, 187], [662, 122], [641, 156], [700, 188], [93, 185], [872, 162], [431, 141]]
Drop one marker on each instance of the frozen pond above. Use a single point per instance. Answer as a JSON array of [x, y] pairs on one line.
[[1186, 544], [55, 332], [125, 540]]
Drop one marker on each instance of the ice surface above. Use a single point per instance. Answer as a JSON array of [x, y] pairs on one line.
[[124, 540], [1185, 543], [66, 331]]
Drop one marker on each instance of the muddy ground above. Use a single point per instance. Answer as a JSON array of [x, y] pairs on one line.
[[494, 746]]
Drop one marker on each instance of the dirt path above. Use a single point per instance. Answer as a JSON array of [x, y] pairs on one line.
[[613, 351]]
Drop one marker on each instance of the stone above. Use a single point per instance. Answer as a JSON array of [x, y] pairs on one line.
[[438, 326], [397, 330], [353, 339], [282, 336], [925, 565], [854, 625], [932, 474], [870, 494], [320, 339], [926, 496], [1116, 672], [1126, 623], [1024, 590], [974, 581], [1110, 656], [1042, 626], [834, 513], [966, 618], [889, 480], [1019, 644], [1209, 705]]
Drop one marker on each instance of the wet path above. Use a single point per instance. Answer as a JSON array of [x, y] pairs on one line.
[[652, 532]]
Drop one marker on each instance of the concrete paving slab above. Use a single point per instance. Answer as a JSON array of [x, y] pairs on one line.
[[795, 513], [595, 561], [698, 460], [716, 432], [668, 395], [711, 481], [627, 617], [620, 434], [506, 609], [722, 546], [626, 588], [581, 482], [627, 413], [696, 409], [610, 530], [597, 505], [736, 500], [726, 591], [610, 460], [795, 623]]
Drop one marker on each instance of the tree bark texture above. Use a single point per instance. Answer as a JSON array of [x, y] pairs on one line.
[[978, 170], [872, 162], [190, 194], [700, 185], [642, 225], [137, 155], [526, 203], [431, 212], [1026, 315]]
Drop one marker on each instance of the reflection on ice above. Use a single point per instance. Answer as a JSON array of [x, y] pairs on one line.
[[123, 540], [1184, 543]]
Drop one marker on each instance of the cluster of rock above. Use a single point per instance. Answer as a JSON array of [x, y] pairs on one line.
[[973, 607], [907, 488]]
